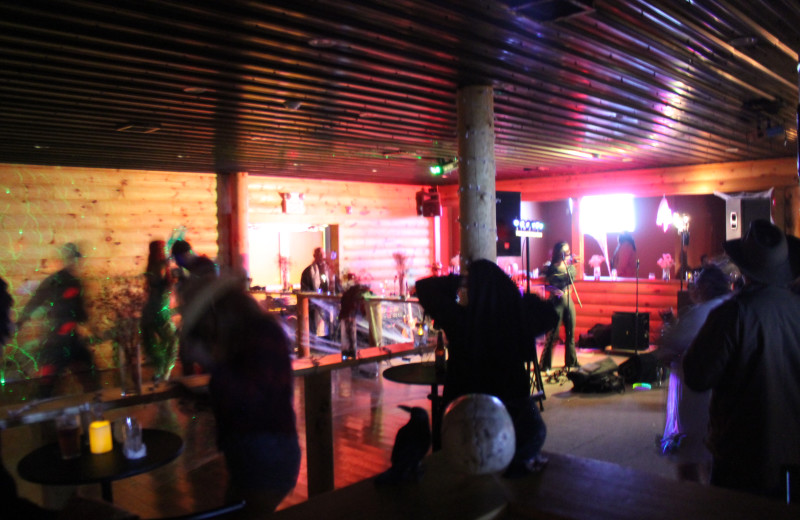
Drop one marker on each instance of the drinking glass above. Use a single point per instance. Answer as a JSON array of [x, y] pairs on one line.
[[68, 431], [132, 443]]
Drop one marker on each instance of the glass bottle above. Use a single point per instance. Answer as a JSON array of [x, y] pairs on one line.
[[440, 363]]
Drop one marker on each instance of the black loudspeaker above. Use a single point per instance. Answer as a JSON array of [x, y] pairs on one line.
[[739, 212], [684, 302], [624, 329], [642, 368], [508, 209], [428, 204]]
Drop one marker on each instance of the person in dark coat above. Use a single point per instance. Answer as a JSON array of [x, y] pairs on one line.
[[6, 301], [317, 278], [748, 354], [61, 294], [194, 273], [491, 332], [251, 390]]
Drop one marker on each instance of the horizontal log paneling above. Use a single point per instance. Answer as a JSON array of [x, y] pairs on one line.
[[688, 180], [111, 214], [601, 299], [375, 221]]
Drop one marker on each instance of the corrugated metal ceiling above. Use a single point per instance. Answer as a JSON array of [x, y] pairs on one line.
[[365, 90]]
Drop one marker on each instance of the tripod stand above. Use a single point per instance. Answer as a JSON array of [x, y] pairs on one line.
[[537, 384]]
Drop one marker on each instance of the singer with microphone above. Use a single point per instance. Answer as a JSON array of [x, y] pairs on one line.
[[560, 275]]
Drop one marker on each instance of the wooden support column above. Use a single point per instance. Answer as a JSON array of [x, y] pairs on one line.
[[319, 432], [303, 327], [232, 223], [476, 174], [578, 238], [791, 210]]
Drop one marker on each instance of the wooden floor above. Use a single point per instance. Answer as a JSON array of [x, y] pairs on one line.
[[618, 428]]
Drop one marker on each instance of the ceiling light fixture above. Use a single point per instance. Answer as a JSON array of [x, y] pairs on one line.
[[292, 104], [443, 167]]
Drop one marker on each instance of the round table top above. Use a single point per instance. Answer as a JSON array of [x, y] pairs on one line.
[[423, 373], [44, 465]]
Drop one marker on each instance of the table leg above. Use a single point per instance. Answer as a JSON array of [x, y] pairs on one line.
[[436, 418], [319, 432], [105, 491], [303, 327]]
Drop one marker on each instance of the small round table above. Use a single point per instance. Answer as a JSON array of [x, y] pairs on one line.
[[44, 465], [423, 373]]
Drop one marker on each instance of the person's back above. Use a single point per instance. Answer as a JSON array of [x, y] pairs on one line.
[[755, 373], [624, 260], [748, 353]]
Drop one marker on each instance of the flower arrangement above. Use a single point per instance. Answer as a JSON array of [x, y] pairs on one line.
[[118, 310], [596, 260], [666, 261]]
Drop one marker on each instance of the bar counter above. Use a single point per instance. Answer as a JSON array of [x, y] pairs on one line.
[[567, 488]]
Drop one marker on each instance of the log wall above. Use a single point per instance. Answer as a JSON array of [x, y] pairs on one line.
[[112, 215], [601, 299], [375, 221]]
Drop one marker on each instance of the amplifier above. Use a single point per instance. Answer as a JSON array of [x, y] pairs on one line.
[[624, 331]]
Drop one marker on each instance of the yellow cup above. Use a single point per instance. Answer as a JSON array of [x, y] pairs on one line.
[[100, 437]]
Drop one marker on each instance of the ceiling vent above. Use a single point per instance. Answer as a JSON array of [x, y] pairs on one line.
[[138, 127], [550, 10]]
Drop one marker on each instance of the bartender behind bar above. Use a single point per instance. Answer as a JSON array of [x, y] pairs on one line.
[[316, 278]]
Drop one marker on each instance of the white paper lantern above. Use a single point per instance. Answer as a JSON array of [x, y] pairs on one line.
[[478, 434]]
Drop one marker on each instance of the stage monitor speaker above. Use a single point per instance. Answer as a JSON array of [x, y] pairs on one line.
[[508, 209], [624, 329], [739, 212], [640, 369]]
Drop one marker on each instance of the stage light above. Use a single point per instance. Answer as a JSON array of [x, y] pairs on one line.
[[443, 167]]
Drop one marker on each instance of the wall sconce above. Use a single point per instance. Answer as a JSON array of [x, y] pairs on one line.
[[293, 203], [681, 222]]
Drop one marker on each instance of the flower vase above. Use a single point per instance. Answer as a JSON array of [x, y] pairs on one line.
[[401, 285], [665, 274], [597, 273]]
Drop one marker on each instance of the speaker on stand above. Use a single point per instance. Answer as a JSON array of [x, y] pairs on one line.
[[507, 210]]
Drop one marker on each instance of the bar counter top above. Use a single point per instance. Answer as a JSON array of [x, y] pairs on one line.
[[567, 488]]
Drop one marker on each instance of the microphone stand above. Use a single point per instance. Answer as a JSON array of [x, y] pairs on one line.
[[636, 314], [537, 388]]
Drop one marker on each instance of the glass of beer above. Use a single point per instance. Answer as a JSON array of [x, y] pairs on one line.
[[68, 431]]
